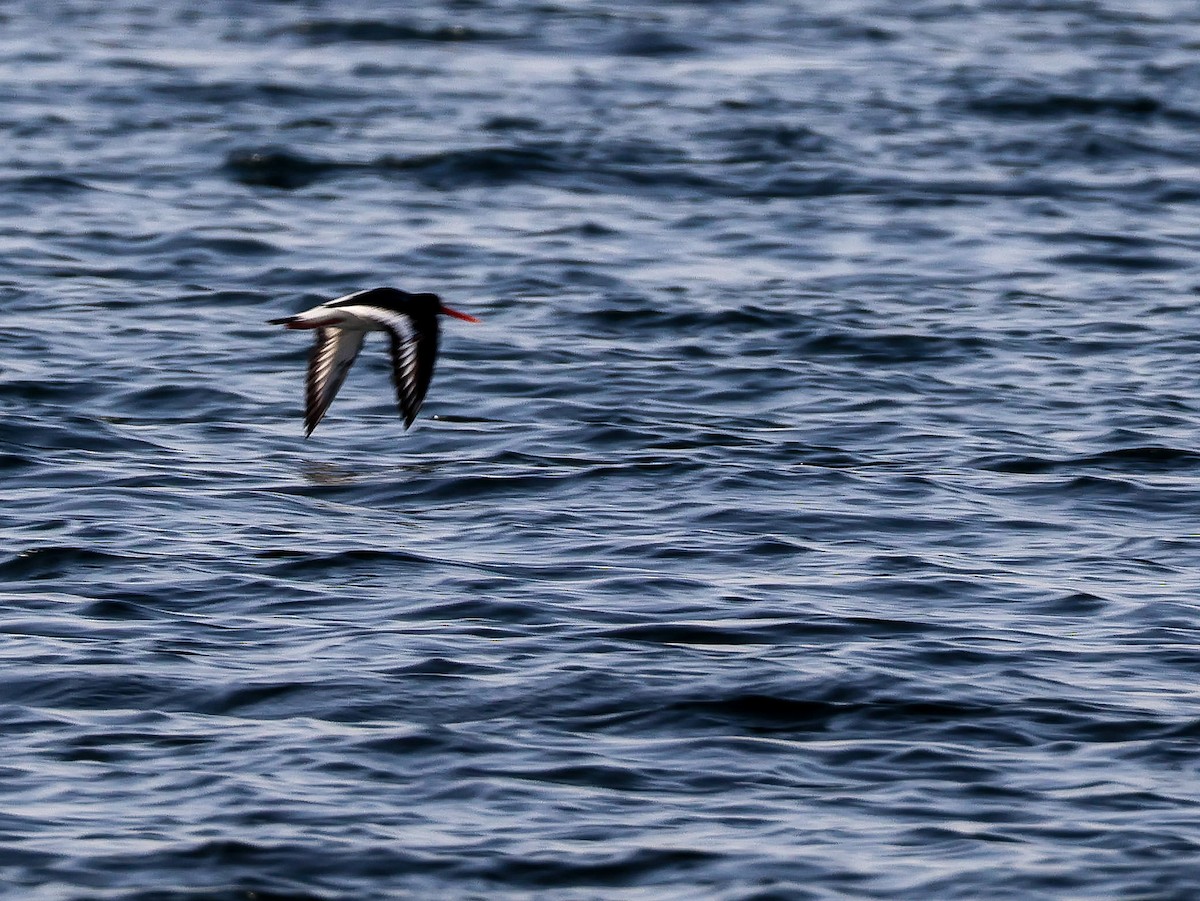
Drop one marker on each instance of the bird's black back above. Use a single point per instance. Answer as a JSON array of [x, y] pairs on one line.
[[420, 307]]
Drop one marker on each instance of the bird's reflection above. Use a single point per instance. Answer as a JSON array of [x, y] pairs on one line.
[[317, 473]]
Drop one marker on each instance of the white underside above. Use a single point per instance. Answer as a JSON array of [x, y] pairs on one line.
[[356, 318]]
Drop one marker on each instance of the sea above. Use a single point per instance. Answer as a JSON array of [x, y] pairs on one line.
[[813, 515]]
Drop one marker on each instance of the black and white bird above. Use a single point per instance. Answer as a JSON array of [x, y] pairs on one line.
[[411, 322]]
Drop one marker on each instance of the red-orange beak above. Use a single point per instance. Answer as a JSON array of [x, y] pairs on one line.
[[457, 315]]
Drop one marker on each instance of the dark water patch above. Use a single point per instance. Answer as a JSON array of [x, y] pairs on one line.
[[678, 592], [929, 588], [318, 123], [447, 170], [617, 166], [441, 668], [651, 44], [1075, 603], [853, 30], [232, 246], [756, 714], [276, 168], [1176, 190], [1033, 102], [1088, 143], [772, 546], [512, 123], [269, 699], [10, 462], [112, 608], [46, 185], [384, 31], [83, 687], [42, 391], [58, 561], [594, 777], [688, 634], [943, 192], [252, 890], [113, 748], [621, 313], [894, 349], [600, 869], [178, 402], [1114, 240], [587, 229], [150, 244], [1133, 262], [1127, 492], [113, 274], [310, 279], [269, 92], [303, 562], [484, 608], [801, 187], [425, 740], [469, 488], [251, 869], [855, 710], [476, 166], [1150, 458], [56, 628], [139, 64], [19, 857], [446, 251], [768, 143], [429, 489]]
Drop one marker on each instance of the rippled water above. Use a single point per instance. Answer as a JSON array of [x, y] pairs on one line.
[[813, 515]]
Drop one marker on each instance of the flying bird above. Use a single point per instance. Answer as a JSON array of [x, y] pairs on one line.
[[411, 322]]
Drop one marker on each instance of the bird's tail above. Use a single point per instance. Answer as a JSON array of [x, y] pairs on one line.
[[286, 320]]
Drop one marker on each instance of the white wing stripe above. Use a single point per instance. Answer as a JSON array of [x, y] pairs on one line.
[[335, 351], [337, 347], [401, 325]]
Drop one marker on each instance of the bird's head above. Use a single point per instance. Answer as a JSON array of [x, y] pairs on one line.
[[446, 311]]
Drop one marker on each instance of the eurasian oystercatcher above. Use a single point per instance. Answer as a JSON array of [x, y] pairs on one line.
[[411, 321]]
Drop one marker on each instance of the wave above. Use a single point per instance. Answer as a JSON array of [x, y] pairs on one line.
[[389, 31], [1034, 102], [1143, 459]]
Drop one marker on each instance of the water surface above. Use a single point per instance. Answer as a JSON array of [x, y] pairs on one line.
[[813, 516]]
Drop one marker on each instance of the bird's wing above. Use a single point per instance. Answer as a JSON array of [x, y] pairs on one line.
[[333, 351], [414, 342]]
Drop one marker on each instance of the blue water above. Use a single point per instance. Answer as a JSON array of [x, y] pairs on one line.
[[812, 516]]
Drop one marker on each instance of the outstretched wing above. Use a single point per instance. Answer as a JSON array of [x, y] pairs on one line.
[[414, 341], [333, 351]]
